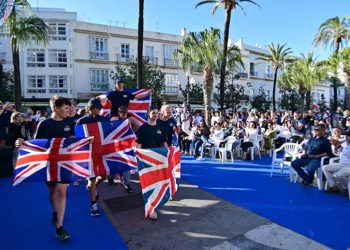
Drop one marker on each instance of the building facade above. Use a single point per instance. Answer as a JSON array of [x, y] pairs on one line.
[[80, 57]]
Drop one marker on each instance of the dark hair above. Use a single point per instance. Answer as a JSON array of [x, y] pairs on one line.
[[59, 101], [123, 109]]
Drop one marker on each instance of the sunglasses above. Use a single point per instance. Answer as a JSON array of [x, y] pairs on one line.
[[154, 113], [316, 129]]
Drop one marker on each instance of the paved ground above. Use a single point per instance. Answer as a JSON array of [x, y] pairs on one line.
[[195, 219]]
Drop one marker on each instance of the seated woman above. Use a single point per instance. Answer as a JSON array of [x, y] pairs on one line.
[[250, 139], [215, 138]]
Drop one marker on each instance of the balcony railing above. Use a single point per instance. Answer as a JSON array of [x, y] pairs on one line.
[[243, 74], [254, 73], [32, 91], [58, 91], [171, 62], [122, 58], [151, 60], [99, 55], [171, 88], [99, 86], [268, 75]]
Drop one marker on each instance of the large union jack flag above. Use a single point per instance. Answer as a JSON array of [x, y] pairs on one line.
[[137, 107], [56, 159], [157, 168], [112, 148]]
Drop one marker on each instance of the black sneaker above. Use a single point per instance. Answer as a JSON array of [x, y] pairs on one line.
[[306, 183], [54, 218], [94, 210], [128, 188], [62, 234]]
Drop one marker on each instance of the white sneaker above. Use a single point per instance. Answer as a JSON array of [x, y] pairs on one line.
[[200, 158], [153, 216]]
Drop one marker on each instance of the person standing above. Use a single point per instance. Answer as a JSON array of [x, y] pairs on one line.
[[120, 97], [94, 107], [167, 123], [149, 135], [56, 127]]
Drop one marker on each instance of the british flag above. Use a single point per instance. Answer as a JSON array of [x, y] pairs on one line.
[[57, 159], [157, 176], [137, 107], [112, 148]]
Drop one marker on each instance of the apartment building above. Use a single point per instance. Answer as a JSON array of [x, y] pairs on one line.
[[80, 56]]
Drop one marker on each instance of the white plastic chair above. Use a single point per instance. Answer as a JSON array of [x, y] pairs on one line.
[[290, 150], [227, 148]]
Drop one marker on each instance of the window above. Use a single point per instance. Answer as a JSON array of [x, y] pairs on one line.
[[36, 84], [58, 31], [99, 80], [35, 58], [98, 48], [58, 84], [171, 84], [252, 69], [168, 55], [150, 55], [268, 73], [125, 50], [58, 58]]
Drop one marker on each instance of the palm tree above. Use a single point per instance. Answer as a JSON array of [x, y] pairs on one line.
[[204, 51], [278, 57], [305, 73], [22, 30], [334, 32], [345, 60], [228, 5], [140, 76]]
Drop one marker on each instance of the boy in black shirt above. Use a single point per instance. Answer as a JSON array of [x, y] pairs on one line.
[[56, 127], [120, 97]]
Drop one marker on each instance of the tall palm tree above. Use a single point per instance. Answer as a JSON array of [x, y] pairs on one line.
[[228, 5], [23, 29], [334, 32], [204, 51], [345, 61], [278, 57], [140, 76]]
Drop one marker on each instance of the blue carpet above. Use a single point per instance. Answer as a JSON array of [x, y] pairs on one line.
[[25, 216], [315, 214]]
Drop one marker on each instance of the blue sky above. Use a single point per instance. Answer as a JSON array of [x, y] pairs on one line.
[[294, 22]]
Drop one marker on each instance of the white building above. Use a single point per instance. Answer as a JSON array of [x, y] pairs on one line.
[[80, 56]]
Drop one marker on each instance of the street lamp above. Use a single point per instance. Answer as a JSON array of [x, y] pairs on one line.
[[188, 75]]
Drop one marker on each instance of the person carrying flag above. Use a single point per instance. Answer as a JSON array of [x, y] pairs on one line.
[[149, 135], [167, 123], [120, 97], [56, 127], [94, 107]]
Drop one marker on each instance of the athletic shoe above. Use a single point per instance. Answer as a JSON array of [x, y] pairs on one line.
[[306, 183], [54, 218], [128, 188], [153, 216], [94, 210], [62, 234]]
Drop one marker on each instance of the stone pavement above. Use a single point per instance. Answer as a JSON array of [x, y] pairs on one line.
[[194, 219]]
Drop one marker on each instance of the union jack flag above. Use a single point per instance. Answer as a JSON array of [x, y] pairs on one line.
[[57, 159], [157, 176], [137, 107], [112, 147]]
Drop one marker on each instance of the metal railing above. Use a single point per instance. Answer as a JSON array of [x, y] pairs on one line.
[[268, 75], [243, 74], [253, 73], [99, 55], [151, 60], [99, 86], [122, 58], [171, 62]]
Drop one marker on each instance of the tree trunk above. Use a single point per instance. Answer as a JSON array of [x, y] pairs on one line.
[[140, 76], [274, 90], [347, 90], [334, 81], [17, 77], [308, 99], [224, 59], [207, 92]]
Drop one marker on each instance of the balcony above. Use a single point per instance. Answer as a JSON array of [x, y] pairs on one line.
[[151, 60], [253, 73], [268, 76], [2, 57], [99, 56], [99, 86], [58, 91], [123, 58], [171, 62], [171, 88], [243, 74]]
